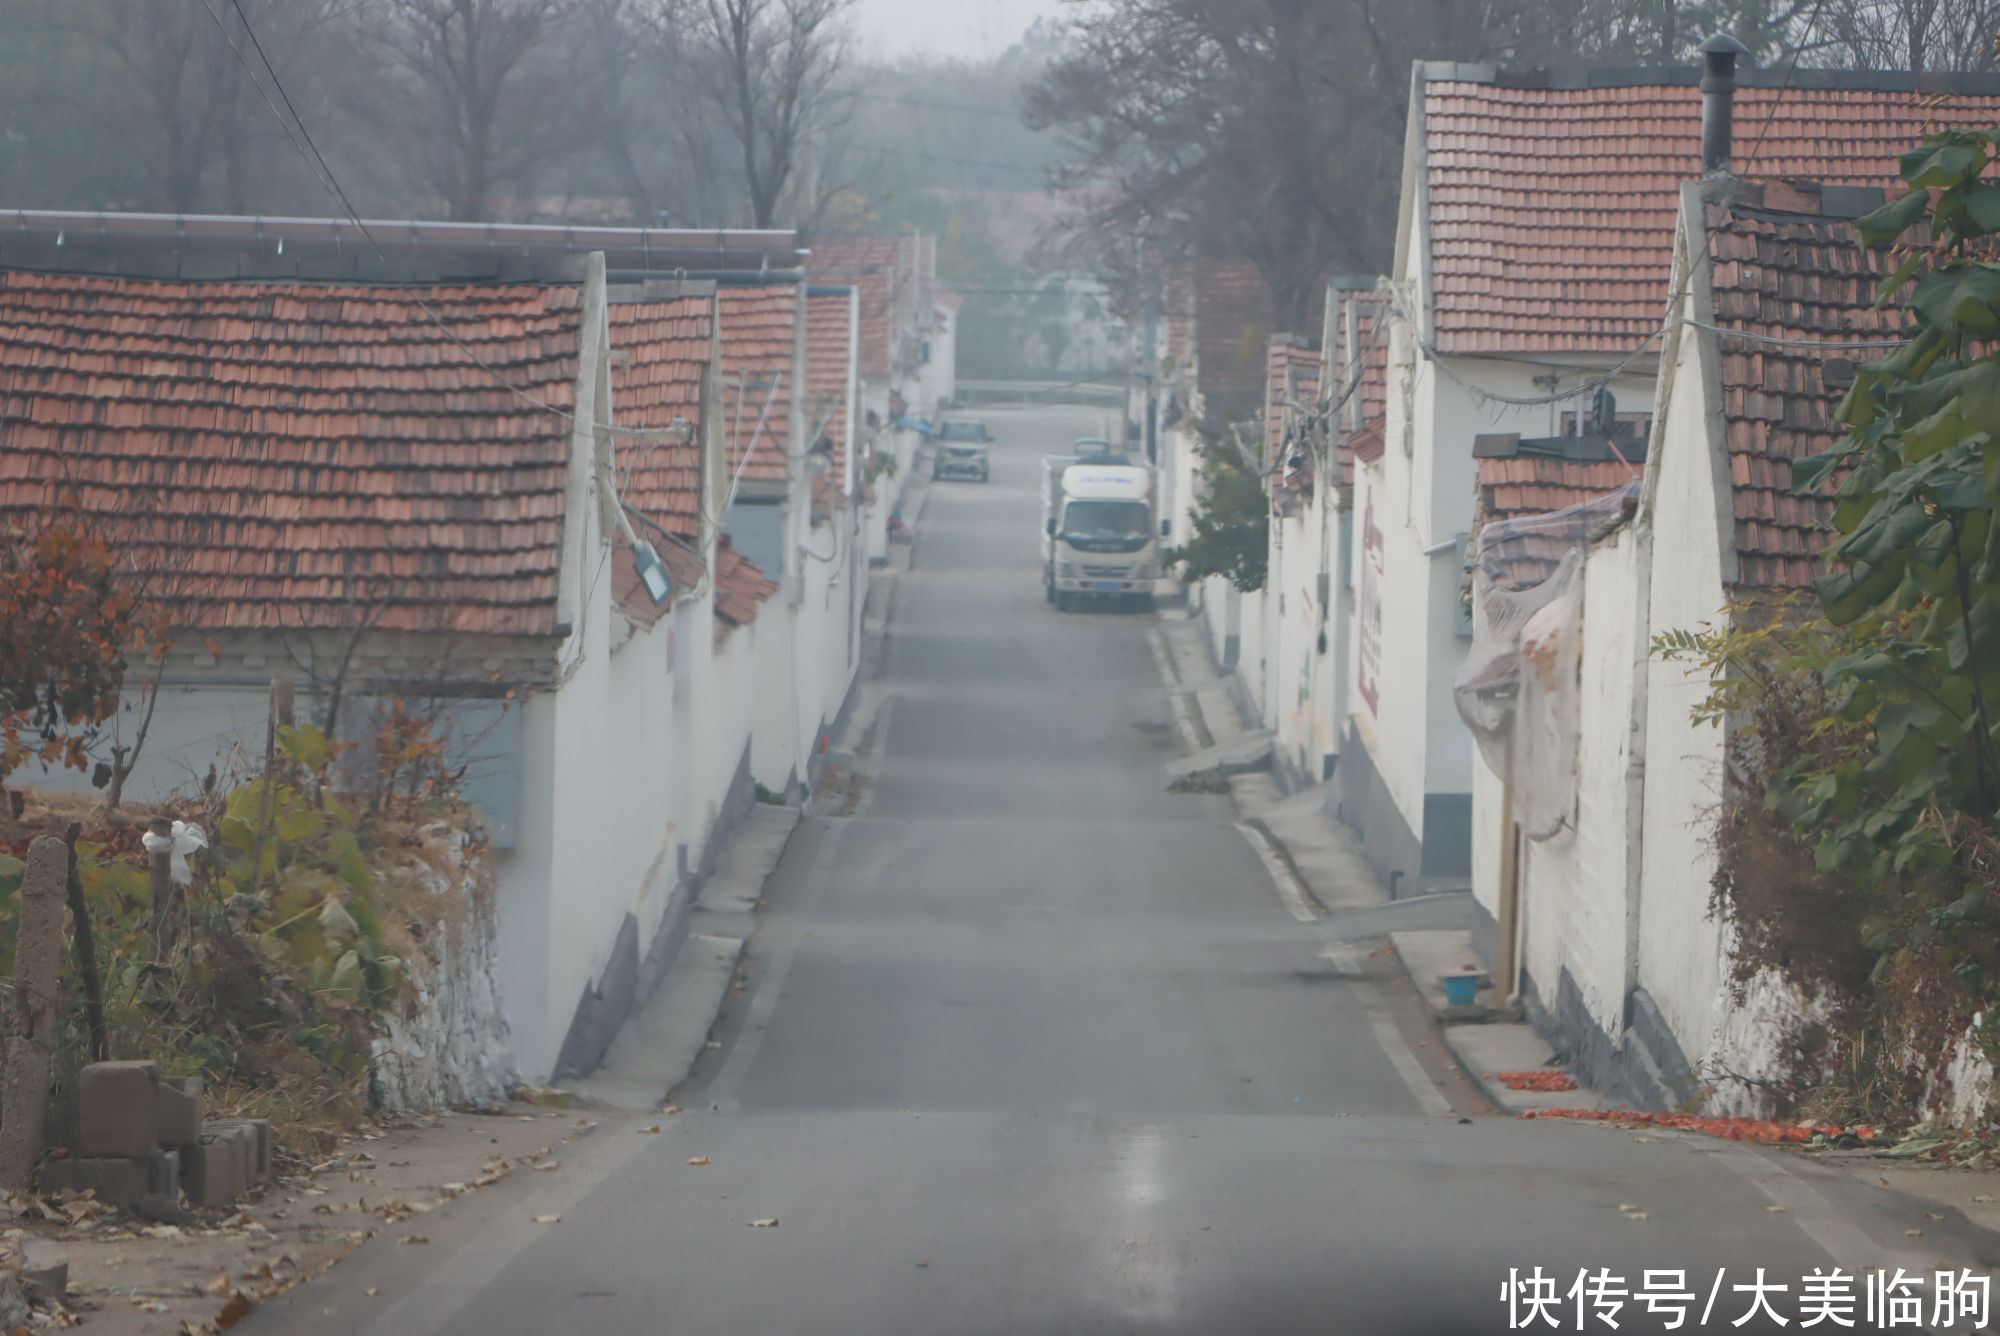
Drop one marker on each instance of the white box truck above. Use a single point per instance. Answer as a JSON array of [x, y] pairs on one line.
[[1100, 530]]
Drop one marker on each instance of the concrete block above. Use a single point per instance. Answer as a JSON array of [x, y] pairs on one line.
[[44, 1270], [177, 1111], [119, 1181], [163, 1174], [212, 1170], [258, 1133], [118, 1112]]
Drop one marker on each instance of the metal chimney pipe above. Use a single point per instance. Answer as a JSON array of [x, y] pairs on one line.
[[1718, 101]]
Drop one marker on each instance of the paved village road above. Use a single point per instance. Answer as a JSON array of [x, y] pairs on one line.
[[1031, 1045]]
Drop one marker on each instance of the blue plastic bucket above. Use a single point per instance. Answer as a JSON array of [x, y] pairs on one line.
[[1460, 990]]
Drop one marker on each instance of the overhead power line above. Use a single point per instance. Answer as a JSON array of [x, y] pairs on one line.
[[323, 172]]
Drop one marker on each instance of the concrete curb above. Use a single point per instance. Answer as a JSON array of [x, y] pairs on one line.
[[658, 1045]]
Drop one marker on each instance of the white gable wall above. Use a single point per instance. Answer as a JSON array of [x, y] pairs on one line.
[[1679, 964]]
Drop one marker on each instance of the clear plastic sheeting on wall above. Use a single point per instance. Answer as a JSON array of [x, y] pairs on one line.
[[1518, 690]]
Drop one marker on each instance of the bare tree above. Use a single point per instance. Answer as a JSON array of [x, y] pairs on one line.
[[1921, 35], [768, 72], [169, 86], [1265, 129], [487, 96]]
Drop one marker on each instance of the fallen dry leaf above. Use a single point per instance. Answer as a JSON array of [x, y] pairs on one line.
[[1914, 1233], [771, 1223], [670, 1108], [648, 1131], [372, 1291], [233, 1312], [699, 1159], [1984, 1197], [416, 1238], [548, 1219], [548, 1166], [1775, 1210]]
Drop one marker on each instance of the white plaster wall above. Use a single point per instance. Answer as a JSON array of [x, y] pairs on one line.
[[1293, 565], [1425, 490], [1257, 612], [1488, 835], [1679, 942], [1179, 460], [1574, 884], [731, 710], [526, 907], [1404, 593], [194, 725], [775, 709]]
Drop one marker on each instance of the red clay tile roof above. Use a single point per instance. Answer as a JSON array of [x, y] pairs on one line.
[[1566, 505], [1363, 355], [666, 347], [1366, 445], [1798, 279], [829, 357], [1286, 353], [759, 323], [1233, 316], [875, 266], [684, 570], [1528, 485], [268, 455], [1551, 212], [739, 588]]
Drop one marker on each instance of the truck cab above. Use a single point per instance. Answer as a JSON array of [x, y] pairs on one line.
[[1100, 531]]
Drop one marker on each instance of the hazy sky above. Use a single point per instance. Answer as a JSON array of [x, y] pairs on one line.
[[967, 28]]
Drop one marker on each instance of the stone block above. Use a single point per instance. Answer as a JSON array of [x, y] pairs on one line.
[[44, 1270], [258, 1133], [118, 1108], [177, 1111], [163, 1174], [119, 1181], [212, 1170], [14, 1310]]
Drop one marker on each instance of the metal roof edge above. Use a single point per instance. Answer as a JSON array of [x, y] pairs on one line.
[[1554, 78], [658, 249]]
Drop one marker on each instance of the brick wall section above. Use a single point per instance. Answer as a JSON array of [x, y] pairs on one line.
[[1552, 210], [1233, 316], [264, 455], [758, 326]]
